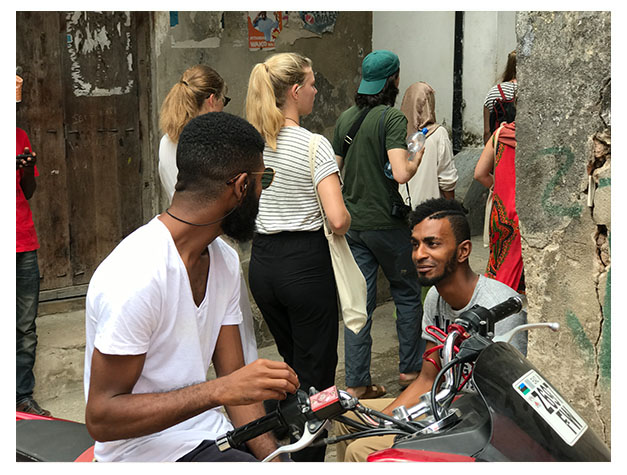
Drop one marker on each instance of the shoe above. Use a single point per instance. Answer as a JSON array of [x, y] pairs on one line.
[[367, 392], [30, 406], [405, 379]]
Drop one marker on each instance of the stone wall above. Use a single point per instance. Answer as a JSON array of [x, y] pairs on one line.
[[563, 130]]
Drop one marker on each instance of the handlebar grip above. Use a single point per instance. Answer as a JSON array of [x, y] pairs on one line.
[[237, 437], [511, 306], [480, 319]]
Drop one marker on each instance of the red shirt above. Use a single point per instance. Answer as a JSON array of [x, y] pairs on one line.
[[25, 235]]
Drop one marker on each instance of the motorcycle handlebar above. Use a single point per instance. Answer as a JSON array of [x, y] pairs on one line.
[[239, 436], [294, 412], [480, 319]]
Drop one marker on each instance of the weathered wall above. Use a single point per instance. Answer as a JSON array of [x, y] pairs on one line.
[[425, 47], [219, 39], [563, 129]]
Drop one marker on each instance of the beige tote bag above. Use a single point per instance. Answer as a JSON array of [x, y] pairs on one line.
[[350, 282]]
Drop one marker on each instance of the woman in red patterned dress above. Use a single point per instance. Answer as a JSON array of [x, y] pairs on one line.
[[497, 167]]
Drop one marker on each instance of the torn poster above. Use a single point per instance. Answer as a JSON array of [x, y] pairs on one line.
[[263, 29], [319, 22]]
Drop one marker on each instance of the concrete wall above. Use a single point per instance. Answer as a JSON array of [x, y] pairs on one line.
[[563, 200], [488, 38], [424, 42]]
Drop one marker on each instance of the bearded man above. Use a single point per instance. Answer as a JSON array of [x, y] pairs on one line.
[[164, 305], [441, 247]]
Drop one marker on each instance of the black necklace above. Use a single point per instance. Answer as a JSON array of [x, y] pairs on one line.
[[196, 224]]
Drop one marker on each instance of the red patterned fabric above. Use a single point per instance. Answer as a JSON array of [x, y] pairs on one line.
[[505, 263]]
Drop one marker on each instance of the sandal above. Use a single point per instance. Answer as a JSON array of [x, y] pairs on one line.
[[369, 392]]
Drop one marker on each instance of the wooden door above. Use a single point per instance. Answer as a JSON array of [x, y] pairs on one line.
[[80, 108]]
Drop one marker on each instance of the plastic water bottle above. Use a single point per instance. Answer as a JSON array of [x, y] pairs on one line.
[[416, 142], [387, 169]]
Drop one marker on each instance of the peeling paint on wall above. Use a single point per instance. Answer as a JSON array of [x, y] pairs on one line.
[[96, 41], [196, 29]]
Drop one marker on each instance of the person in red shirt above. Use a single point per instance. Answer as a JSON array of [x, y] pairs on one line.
[[26, 272]]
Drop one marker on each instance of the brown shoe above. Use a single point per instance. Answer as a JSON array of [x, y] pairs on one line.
[[31, 406]]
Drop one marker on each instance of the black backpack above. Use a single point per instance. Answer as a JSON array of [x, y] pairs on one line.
[[503, 110]]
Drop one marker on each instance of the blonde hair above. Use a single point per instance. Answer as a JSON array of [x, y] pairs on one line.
[[186, 98], [267, 89]]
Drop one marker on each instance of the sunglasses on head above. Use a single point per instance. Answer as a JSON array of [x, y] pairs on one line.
[[225, 99], [267, 176]]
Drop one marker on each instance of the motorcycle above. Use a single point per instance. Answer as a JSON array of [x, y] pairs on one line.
[[512, 414], [48, 439]]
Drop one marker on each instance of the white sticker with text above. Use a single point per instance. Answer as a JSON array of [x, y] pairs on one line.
[[551, 406]]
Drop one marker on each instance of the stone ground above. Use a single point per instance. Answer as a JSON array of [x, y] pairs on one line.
[[60, 354]]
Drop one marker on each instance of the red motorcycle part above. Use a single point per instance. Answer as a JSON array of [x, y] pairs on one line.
[[404, 455]]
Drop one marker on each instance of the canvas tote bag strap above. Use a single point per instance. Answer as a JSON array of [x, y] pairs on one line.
[[313, 147]]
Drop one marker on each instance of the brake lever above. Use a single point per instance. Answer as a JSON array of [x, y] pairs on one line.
[[307, 438], [507, 337]]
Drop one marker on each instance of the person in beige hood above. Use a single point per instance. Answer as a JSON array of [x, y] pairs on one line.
[[437, 176]]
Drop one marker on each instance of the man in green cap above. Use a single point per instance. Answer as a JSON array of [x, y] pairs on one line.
[[367, 136]]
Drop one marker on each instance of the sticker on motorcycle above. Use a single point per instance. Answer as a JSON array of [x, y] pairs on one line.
[[551, 406]]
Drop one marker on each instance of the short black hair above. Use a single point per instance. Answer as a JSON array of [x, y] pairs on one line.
[[212, 149], [387, 96], [438, 208]]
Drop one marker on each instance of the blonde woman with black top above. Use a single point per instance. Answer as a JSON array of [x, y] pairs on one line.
[[290, 272]]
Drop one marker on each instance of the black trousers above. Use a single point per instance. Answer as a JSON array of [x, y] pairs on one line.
[[208, 451], [292, 282]]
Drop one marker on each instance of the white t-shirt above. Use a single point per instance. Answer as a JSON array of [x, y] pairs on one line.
[[168, 173], [140, 301], [167, 165], [290, 203]]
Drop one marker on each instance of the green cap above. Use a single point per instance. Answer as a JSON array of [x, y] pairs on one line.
[[376, 68]]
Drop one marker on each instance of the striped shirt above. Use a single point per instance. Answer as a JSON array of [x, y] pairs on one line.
[[509, 89], [290, 203]]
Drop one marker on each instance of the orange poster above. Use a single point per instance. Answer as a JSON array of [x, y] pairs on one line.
[[263, 29]]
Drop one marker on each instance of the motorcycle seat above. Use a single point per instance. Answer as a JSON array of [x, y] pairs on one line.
[[51, 440]]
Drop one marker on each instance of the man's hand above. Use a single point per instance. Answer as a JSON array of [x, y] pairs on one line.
[[25, 159], [258, 381]]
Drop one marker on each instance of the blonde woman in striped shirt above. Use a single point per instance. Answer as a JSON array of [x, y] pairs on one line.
[[290, 273]]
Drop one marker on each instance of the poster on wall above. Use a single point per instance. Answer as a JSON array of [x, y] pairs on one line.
[[263, 30], [319, 22]]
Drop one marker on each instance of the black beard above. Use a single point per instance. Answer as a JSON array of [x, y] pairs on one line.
[[240, 224], [449, 268]]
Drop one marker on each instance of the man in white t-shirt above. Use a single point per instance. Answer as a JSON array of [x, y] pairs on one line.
[[164, 305]]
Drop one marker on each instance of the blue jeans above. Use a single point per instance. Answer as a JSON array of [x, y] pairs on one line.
[[26, 303], [390, 249]]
